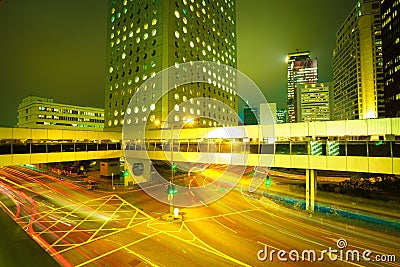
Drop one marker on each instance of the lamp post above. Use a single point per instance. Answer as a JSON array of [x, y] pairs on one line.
[[171, 188], [171, 196]]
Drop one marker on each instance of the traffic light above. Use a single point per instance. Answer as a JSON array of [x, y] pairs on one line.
[[126, 173], [379, 143], [171, 189], [268, 181], [173, 166]]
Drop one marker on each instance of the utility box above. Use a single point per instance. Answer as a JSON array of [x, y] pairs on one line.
[[107, 168]]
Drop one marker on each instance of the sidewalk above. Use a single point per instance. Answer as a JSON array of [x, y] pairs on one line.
[[18, 249]]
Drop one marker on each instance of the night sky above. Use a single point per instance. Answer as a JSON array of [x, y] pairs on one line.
[[56, 48]]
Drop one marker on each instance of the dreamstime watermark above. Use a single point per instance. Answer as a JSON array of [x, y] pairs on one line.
[[332, 254]]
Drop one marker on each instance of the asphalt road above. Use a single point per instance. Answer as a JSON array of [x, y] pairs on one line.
[[78, 227]]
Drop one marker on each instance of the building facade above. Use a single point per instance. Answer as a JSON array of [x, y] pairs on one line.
[[301, 69], [314, 102], [41, 112], [250, 116], [390, 10], [267, 110], [358, 64], [148, 36], [281, 115]]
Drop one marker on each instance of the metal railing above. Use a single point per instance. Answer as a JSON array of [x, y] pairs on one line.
[[320, 148]]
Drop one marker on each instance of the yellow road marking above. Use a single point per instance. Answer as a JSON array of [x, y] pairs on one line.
[[68, 232], [74, 205], [133, 217], [117, 249], [224, 225], [17, 185], [221, 215], [95, 233], [132, 206], [97, 238], [142, 257], [207, 247]]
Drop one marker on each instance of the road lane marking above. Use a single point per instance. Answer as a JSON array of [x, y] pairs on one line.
[[117, 249], [76, 226], [207, 247], [252, 219], [147, 260], [203, 203], [105, 222], [97, 238], [223, 225], [219, 215]]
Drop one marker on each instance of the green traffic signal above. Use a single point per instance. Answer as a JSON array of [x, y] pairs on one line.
[[126, 173], [268, 181], [171, 190], [173, 166], [379, 143]]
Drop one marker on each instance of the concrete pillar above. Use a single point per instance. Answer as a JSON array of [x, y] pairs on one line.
[[307, 189], [311, 188]]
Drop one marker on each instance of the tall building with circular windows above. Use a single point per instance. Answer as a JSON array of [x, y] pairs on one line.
[[145, 37]]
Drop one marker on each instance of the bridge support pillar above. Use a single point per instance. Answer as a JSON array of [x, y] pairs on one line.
[[311, 188]]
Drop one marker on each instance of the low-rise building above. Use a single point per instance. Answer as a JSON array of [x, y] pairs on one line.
[[42, 112]]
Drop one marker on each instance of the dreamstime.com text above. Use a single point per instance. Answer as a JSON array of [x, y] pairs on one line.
[[332, 254]]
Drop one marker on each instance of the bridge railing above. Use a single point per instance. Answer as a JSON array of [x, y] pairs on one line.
[[33, 148], [317, 148]]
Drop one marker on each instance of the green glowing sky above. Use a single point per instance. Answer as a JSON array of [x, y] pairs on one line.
[[57, 48]]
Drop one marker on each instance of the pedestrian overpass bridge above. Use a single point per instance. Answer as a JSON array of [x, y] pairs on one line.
[[371, 146], [34, 146], [367, 146]]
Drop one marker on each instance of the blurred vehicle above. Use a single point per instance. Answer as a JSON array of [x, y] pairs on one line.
[[92, 185]]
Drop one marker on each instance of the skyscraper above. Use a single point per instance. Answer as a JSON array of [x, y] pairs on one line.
[[301, 70], [358, 64], [147, 36], [390, 10]]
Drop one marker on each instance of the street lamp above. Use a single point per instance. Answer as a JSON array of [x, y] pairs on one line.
[[171, 188], [171, 191]]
